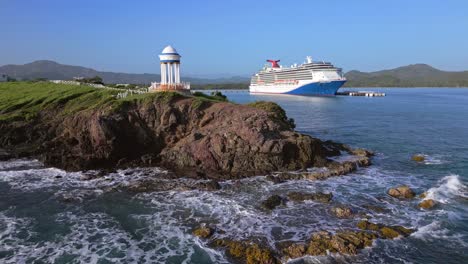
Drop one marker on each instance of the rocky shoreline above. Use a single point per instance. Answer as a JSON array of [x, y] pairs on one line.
[[192, 137]]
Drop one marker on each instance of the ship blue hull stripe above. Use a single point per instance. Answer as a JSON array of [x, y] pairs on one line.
[[318, 88]]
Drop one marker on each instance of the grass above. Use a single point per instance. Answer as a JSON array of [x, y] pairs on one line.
[[277, 112], [24, 100]]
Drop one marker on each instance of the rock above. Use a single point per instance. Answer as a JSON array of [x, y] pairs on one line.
[[423, 195], [427, 204], [362, 152], [342, 211], [402, 192], [274, 179], [418, 158], [293, 250], [203, 231], [272, 202], [319, 196], [247, 251], [220, 140], [345, 242], [376, 208], [211, 185], [385, 232]]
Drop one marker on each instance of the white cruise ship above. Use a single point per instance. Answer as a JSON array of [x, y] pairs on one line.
[[310, 78]]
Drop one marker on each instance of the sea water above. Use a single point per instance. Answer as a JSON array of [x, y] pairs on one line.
[[97, 226]]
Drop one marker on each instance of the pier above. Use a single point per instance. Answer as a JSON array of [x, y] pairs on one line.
[[361, 93]]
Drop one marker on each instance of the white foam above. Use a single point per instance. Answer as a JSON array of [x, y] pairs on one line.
[[435, 231], [96, 237], [449, 187]]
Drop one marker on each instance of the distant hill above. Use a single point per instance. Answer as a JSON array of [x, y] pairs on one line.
[[54, 71], [415, 75]]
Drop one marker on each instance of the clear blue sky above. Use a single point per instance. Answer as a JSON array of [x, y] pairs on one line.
[[235, 37]]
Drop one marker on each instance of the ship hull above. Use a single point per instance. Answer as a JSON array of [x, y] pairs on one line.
[[313, 88]]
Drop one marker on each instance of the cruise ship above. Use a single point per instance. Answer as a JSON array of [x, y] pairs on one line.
[[309, 78]]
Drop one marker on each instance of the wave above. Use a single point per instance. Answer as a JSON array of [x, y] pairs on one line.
[[449, 187]]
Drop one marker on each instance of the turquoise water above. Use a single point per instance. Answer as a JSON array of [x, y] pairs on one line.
[[38, 226]]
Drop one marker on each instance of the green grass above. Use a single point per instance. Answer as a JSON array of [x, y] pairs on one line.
[[24, 100], [277, 112]]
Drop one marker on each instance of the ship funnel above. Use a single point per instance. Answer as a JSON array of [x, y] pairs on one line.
[[274, 63]]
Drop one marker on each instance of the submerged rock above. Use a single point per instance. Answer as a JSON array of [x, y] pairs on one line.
[[342, 211], [401, 192], [319, 196], [427, 204], [203, 231], [272, 202], [418, 158]]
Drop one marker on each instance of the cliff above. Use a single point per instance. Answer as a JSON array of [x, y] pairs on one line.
[[78, 128]]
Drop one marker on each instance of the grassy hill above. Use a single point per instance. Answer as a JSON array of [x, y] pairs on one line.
[[415, 75]]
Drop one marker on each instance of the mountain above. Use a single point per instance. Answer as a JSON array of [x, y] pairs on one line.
[[414, 75], [54, 71]]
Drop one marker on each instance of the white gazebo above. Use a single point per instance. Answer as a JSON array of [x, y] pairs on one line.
[[170, 72]]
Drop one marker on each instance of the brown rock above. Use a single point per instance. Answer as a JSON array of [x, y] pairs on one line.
[[385, 232], [342, 211], [402, 192], [203, 231], [418, 158], [272, 202], [247, 251], [427, 204], [319, 196]]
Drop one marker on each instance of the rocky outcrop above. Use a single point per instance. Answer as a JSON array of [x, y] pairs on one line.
[[318, 196], [247, 251], [203, 231], [272, 202], [342, 211], [387, 232], [192, 137], [401, 192], [427, 204]]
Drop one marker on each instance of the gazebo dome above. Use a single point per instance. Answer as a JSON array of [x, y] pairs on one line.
[[169, 50]]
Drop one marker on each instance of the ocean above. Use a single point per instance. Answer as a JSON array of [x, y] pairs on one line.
[[48, 215]]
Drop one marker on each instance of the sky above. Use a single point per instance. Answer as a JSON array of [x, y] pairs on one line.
[[227, 38]]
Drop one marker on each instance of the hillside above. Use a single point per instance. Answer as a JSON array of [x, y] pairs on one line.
[[79, 128], [54, 71], [415, 75]]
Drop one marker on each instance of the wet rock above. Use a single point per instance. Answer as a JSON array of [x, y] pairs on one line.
[[293, 250], [342, 211], [376, 208], [362, 152], [272, 202], [319, 196], [4, 155], [418, 158], [274, 179], [427, 204], [211, 185], [423, 195], [203, 231], [346, 242], [247, 251], [401, 192], [385, 232]]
